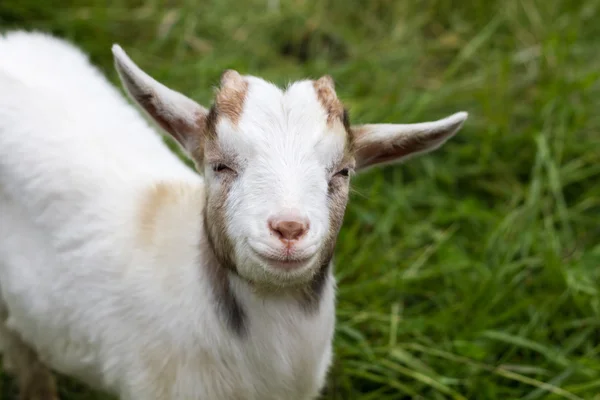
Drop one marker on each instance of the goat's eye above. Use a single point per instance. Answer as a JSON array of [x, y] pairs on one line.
[[343, 172], [219, 167]]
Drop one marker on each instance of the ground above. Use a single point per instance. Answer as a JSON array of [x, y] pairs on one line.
[[469, 273]]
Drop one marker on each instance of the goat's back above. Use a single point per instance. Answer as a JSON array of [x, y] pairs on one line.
[[59, 116], [68, 137]]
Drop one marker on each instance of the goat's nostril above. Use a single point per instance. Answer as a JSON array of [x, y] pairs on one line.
[[289, 229]]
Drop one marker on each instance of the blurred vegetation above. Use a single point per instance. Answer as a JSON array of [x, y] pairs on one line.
[[469, 273]]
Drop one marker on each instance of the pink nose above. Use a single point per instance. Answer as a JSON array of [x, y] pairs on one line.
[[289, 226]]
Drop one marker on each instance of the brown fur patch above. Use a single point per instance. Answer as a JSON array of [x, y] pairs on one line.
[[223, 264], [155, 199], [395, 147], [195, 146], [215, 222], [230, 98], [349, 148], [175, 126], [325, 90], [225, 300], [337, 200], [179, 127], [210, 129]]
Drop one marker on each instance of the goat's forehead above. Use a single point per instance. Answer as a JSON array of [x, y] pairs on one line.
[[298, 103], [272, 118]]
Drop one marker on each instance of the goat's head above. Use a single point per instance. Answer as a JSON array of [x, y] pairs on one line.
[[276, 165]]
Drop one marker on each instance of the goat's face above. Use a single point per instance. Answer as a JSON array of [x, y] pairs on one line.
[[277, 165]]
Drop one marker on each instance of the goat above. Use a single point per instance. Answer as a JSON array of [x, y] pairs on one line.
[[124, 268]]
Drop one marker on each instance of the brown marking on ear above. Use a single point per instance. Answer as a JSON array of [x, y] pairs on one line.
[[179, 127], [231, 96], [325, 90], [393, 148], [172, 125]]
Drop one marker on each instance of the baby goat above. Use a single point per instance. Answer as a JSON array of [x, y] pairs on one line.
[[122, 267]]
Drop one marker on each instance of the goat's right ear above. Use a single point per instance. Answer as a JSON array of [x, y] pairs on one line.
[[177, 114]]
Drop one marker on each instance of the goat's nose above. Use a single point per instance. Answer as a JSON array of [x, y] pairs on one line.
[[289, 226]]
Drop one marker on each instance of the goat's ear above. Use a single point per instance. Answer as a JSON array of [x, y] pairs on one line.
[[377, 144], [177, 114]]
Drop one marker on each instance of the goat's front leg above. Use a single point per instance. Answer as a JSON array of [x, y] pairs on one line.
[[35, 380]]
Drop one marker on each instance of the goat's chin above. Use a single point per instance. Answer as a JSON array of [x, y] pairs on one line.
[[273, 277]]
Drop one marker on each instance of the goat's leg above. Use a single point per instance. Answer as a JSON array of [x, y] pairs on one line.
[[34, 379]]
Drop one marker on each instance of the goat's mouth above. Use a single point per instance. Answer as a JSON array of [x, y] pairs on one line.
[[287, 263]]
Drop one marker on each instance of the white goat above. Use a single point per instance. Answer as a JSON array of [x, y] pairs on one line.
[[122, 267]]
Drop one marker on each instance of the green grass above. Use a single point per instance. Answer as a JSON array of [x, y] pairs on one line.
[[470, 273]]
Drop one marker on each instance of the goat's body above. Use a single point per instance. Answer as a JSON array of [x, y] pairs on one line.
[[101, 249]]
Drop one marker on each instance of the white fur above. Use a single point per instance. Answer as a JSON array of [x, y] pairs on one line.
[[75, 164], [101, 299]]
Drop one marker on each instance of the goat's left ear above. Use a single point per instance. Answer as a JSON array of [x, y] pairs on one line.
[[377, 144], [177, 114]]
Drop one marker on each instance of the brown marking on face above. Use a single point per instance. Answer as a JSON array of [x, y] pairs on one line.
[[325, 90], [337, 197], [348, 129], [208, 135], [225, 300], [231, 96], [210, 128], [222, 264], [350, 144], [219, 267], [215, 220], [195, 144], [339, 188], [219, 257]]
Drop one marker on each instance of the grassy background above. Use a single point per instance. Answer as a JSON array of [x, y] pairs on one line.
[[470, 273]]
